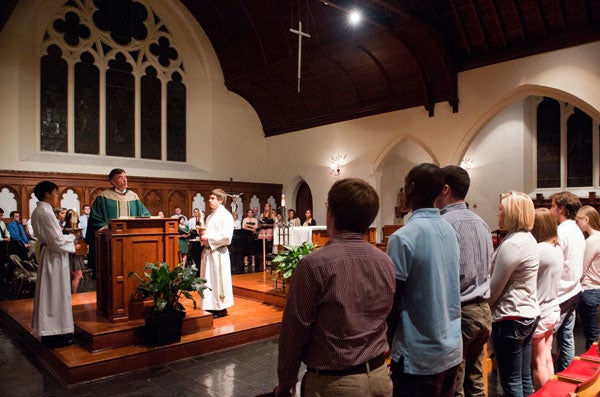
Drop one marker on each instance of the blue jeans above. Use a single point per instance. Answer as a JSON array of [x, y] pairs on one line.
[[512, 346], [588, 312], [565, 341]]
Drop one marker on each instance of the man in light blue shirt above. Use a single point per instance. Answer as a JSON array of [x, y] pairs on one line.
[[425, 321]]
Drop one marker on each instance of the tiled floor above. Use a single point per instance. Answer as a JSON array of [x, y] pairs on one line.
[[243, 371]]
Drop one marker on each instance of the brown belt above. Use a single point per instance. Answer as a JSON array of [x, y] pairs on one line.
[[363, 368]]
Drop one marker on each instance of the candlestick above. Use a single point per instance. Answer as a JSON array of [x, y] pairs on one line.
[[283, 200]]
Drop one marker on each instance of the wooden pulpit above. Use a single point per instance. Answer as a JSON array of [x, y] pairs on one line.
[[127, 246]]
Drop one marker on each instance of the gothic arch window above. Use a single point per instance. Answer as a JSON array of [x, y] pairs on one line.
[[565, 146], [112, 83]]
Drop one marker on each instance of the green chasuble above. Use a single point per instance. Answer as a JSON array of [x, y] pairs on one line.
[[109, 205]]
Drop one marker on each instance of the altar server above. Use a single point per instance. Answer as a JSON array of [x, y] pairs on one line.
[[216, 266], [52, 313]]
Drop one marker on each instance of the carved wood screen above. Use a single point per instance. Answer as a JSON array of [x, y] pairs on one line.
[[158, 194]]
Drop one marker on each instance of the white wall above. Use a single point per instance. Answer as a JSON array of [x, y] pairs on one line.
[[226, 139]]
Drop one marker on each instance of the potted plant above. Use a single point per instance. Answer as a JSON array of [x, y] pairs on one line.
[[164, 319], [287, 261]]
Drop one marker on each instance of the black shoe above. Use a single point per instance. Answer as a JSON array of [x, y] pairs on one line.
[[58, 340], [218, 313]]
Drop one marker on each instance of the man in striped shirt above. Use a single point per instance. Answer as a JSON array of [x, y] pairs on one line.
[[335, 312], [475, 244]]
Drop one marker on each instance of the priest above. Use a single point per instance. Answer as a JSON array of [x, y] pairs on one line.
[[111, 203]]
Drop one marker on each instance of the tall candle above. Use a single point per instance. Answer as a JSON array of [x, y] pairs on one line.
[[283, 200]]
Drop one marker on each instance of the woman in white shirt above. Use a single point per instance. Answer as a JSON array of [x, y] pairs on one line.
[[551, 265], [513, 291], [588, 221]]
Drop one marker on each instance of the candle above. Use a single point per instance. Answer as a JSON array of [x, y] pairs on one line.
[[283, 200]]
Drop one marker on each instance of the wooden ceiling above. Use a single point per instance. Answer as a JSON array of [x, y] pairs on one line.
[[406, 53]]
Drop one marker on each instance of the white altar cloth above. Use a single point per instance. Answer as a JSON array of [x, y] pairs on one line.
[[298, 235]]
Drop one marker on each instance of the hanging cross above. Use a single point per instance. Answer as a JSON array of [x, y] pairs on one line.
[[300, 33]]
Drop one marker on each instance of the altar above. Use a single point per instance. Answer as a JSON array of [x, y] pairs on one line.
[[300, 234]]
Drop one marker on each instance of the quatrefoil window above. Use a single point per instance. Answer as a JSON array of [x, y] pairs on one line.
[[164, 51], [71, 28]]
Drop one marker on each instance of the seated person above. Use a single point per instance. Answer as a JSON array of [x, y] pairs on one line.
[[19, 243]]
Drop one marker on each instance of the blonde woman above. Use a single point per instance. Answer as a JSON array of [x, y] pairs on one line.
[[588, 221], [513, 293], [551, 265]]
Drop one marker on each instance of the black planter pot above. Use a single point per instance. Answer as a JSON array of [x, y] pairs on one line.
[[163, 328]]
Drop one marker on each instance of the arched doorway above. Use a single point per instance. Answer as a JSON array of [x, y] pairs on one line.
[[303, 200]]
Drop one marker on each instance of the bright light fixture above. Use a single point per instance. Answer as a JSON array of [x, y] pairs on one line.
[[355, 17]]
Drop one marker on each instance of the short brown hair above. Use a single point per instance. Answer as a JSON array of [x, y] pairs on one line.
[[115, 171], [220, 194], [519, 212], [353, 204], [544, 226], [458, 180], [568, 201]]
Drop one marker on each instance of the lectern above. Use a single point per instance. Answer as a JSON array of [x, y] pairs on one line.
[[127, 245]]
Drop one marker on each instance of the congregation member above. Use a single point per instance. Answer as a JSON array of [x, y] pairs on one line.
[[250, 225], [335, 311], [425, 321], [111, 203], [178, 214], [19, 242], [551, 263], [84, 218], [5, 268], [565, 206], [196, 224], [513, 294], [216, 264], [588, 221], [293, 220], [52, 312], [183, 231], [308, 219], [475, 243], [76, 262], [265, 231]]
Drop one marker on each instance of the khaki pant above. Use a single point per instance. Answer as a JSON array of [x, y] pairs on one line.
[[476, 326], [376, 383]]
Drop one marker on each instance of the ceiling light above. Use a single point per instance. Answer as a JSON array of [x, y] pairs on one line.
[[355, 17]]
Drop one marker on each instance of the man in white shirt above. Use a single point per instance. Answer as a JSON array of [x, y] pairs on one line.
[[564, 208], [178, 214]]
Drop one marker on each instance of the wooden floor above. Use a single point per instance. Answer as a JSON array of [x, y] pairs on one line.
[[106, 349]]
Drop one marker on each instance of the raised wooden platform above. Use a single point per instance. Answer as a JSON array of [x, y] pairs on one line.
[[106, 349], [258, 287]]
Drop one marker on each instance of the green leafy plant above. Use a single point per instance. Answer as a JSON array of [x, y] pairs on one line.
[[288, 260], [167, 286]]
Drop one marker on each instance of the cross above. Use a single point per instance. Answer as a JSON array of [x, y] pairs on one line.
[[300, 33]]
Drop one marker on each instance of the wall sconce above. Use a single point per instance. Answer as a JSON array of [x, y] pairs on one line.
[[466, 163], [337, 162]]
